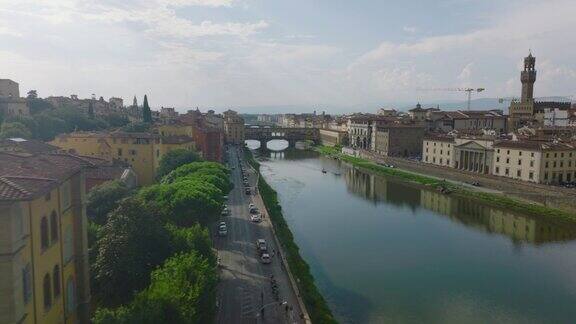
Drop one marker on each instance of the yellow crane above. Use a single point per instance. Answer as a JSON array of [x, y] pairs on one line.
[[468, 90]]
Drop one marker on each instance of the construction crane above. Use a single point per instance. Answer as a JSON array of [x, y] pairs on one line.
[[468, 90]]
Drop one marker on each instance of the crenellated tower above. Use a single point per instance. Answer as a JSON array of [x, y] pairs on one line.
[[528, 77]]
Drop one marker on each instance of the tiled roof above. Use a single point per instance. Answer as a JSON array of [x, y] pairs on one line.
[[20, 145], [536, 145], [176, 139], [439, 137], [24, 177]]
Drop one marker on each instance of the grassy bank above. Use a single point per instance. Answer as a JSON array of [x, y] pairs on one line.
[[499, 200], [315, 303]]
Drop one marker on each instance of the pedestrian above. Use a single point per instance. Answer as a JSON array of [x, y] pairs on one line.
[[286, 309]]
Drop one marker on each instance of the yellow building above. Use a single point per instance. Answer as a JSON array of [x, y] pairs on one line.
[[535, 161], [142, 151], [233, 127], [43, 239]]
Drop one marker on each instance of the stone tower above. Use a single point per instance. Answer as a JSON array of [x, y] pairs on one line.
[[528, 77]]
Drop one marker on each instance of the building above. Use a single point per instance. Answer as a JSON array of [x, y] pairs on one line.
[[554, 117], [9, 88], [141, 151], [527, 111], [397, 140], [446, 121], [206, 132], [116, 103], [536, 161], [438, 149], [44, 271], [332, 137], [421, 114], [10, 102], [233, 128], [473, 154], [387, 112]]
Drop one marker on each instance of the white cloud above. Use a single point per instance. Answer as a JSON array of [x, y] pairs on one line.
[[410, 29]]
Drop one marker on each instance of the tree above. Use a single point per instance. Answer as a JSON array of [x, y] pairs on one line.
[[37, 105], [32, 94], [91, 110], [104, 199], [48, 126], [182, 291], [132, 243], [146, 112], [194, 238], [195, 167], [15, 129], [116, 119], [175, 159]]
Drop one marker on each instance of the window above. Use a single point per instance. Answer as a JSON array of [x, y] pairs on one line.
[[498, 150], [47, 290], [545, 175], [507, 171], [27, 283], [561, 164], [554, 164], [132, 152], [497, 170], [70, 295], [508, 160], [56, 280], [119, 152], [532, 154], [562, 154], [555, 154], [519, 173], [520, 153], [448, 162], [68, 244], [497, 159], [44, 239], [519, 162], [54, 226], [508, 152], [531, 175], [531, 163], [546, 164]]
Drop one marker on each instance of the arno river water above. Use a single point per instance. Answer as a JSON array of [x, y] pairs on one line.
[[382, 250]]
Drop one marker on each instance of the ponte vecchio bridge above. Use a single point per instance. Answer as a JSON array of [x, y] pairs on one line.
[[291, 135]]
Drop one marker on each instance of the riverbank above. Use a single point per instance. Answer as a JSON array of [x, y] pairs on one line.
[[499, 200], [315, 304]]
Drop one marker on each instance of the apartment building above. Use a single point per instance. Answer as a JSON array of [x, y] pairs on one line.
[[233, 128], [535, 161], [142, 151], [438, 150], [43, 251], [397, 140]]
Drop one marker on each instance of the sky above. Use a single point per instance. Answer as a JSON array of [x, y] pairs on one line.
[[320, 54]]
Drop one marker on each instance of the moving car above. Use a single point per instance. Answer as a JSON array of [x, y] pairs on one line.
[[256, 218], [261, 246], [265, 258], [225, 211], [222, 229], [247, 191]]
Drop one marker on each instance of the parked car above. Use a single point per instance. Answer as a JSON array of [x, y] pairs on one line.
[[225, 211], [247, 191]]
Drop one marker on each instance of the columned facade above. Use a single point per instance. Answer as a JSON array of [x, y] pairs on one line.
[[473, 159]]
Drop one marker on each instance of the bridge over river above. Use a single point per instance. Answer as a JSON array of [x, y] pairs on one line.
[[291, 135]]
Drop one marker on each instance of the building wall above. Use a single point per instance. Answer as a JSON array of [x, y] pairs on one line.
[[21, 246], [496, 123], [398, 141], [521, 164], [438, 152], [14, 107], [9, 88]]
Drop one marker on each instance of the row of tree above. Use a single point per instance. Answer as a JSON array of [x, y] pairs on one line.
[[46, 121], [151, 253]]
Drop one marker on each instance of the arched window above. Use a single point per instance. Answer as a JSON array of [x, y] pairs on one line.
[[54, 226], [44, 239], [47, 292], [56, 280], [70, 295]]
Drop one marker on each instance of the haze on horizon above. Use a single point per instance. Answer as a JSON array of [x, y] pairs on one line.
[[248, 53]]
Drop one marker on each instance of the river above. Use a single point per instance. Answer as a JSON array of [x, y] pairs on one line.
[[383, 250]]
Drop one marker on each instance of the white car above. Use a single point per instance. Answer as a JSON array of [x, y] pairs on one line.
[[265, 258], [222, 229], [261, 246], [256, 218], [225, 211]]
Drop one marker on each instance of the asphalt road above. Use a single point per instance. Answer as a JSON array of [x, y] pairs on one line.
[[245, 283]]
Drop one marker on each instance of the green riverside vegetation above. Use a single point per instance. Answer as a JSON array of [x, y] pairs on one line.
[[151, 254], [315, 303], [499, 200]]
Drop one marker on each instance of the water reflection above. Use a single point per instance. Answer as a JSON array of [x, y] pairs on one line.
[[381, 189]]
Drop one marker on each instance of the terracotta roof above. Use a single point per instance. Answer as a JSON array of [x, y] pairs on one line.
[[179, 139], [536, 145], [19, 145], [24, 177], [439, 137]]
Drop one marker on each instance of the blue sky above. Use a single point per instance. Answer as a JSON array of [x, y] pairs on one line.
[[316, 53]]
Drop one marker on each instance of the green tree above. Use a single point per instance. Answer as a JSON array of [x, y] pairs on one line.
[[32, 94], [10, 130], [193, 238], [91, 110], [132, 243], [104, 199], [38, 105], [195, 167], [182, 291], [49, 126], [146, 112], [116, 119], [175, 159]]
